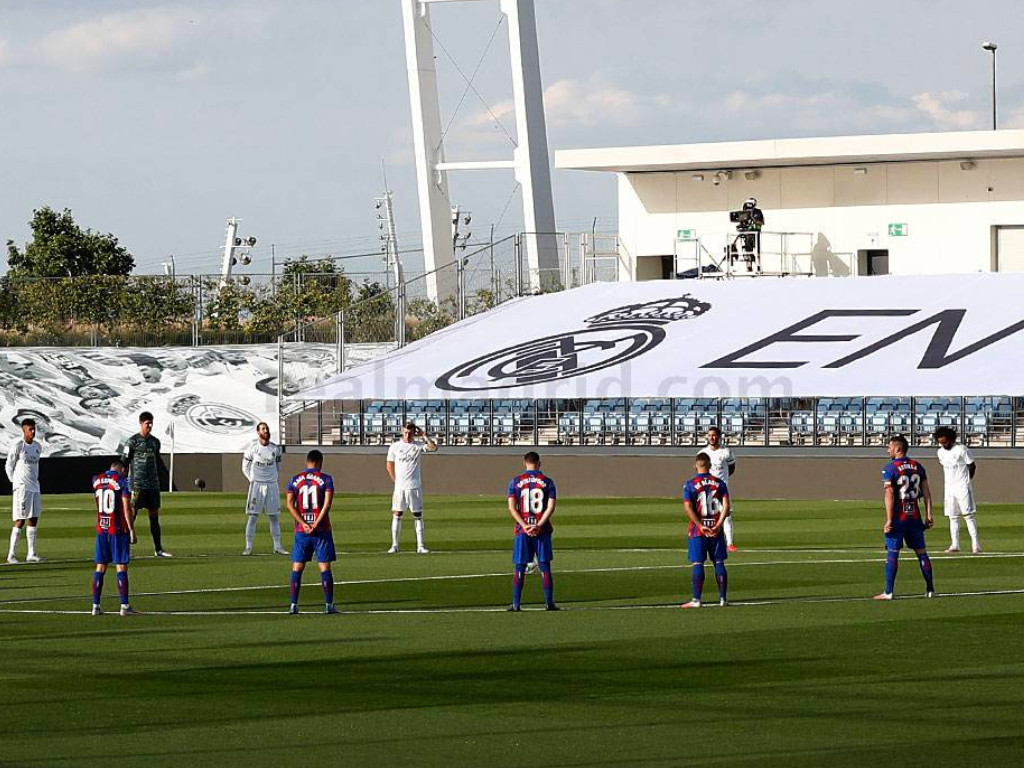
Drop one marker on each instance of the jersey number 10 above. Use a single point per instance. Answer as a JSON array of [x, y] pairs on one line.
[[105, 503]]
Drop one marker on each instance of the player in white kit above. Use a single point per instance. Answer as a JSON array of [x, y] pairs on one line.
[[23, 472], [723, 464], [958, 495], [261, 464], [403, 463]]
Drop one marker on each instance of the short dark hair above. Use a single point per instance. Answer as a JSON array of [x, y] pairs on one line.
[[531, 457], [945, 432], [901, 441], [28, 422], [410, 425], [262, 424], [714, 428], [145, 416], [315, 457], [703, 459], [117, 464]]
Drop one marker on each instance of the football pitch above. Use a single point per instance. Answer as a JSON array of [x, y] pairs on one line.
[[425, 667]]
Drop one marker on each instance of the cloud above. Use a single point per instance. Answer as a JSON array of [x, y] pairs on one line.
[[936, 106], [141, 37]]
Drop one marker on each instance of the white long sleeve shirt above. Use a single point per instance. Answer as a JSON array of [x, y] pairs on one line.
[[23, 464], [262, 463]]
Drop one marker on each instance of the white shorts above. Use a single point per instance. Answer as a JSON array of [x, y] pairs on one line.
[[411, 499], [263, 497], [959, 502], [27, 504]]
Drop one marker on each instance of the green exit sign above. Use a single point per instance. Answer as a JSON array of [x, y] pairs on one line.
[[898, 230], [686, 234]]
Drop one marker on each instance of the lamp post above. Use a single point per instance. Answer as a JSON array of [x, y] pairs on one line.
[[991, 48]]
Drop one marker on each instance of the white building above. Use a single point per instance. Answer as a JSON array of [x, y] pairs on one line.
[[904, 204]]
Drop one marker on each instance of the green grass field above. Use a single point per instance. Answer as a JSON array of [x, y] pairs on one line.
[[424, 666]]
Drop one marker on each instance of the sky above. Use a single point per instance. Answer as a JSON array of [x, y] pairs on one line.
[[156, 121]]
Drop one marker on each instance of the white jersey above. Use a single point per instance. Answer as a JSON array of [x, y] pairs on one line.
[[23, 465], [721, 459], [954, 467], [407, 458], [262, 463]]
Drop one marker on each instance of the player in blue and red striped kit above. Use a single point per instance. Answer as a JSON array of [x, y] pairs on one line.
[[906, 483], [706, 502], [310, 494], [531, 502], [114, 534]]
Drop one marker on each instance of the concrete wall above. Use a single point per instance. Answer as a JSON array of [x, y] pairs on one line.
[[950, 212], [761, 473]]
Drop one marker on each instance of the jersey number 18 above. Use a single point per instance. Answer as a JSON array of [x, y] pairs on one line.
[[531, 501]]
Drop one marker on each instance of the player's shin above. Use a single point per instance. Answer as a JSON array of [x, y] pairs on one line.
[[296, 584], [892, 565], [547, 581], [97, 586], [697, 577], [250, 530], [727, 529], [327, 582], [972, 529], [15, 535], [122, 586], [275, 530], [926, 570], [396, 530], [518, 577], [30, 535], [954, 533], [722, 578], [420, 527], [154, 529]]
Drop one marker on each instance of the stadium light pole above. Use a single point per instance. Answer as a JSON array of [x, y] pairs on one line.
[[991, 48]]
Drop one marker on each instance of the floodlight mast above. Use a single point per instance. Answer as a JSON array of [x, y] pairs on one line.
[[530, 160]]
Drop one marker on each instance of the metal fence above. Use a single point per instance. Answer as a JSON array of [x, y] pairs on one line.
[[992, 422]]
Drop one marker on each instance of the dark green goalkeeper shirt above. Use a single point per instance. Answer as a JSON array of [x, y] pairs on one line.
[[142, 456]]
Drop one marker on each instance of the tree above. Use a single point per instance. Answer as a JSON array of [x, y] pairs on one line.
[[61, 248]]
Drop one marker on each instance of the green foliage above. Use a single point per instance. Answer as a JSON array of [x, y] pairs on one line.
[[61, 248]]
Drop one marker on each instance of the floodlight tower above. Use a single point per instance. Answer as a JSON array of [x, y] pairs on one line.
[[233, 243], [529, 161]]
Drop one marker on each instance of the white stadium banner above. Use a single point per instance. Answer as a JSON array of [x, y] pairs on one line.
[[942, 335], [87, 400]]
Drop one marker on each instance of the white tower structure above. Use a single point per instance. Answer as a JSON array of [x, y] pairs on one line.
[[529, 161]]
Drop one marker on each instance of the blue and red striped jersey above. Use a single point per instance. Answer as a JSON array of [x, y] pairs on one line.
[[310, 489], [905, 477], [531, 491], [706, 493], [109, 489]]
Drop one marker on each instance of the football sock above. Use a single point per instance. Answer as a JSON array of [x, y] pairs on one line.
[[122, 586], [15, 535], [954, 533], [722, 577], [698, 580], [419, 526], [548, 583], [517, 584], [327, 582], [31, 534], [727, 529], [892, 564], [154, 529], [926, 570], [250, 530], [396, 530], [972, 529], [275, 530], [295, 584], [97, 586]]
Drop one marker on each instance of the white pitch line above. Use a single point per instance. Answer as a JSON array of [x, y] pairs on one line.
[[503, 609], [505, 574]]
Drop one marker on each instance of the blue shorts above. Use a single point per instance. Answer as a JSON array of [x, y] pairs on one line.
[[711, 548], [526, 547], [309, 544], [913, 536], [113, 548]]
